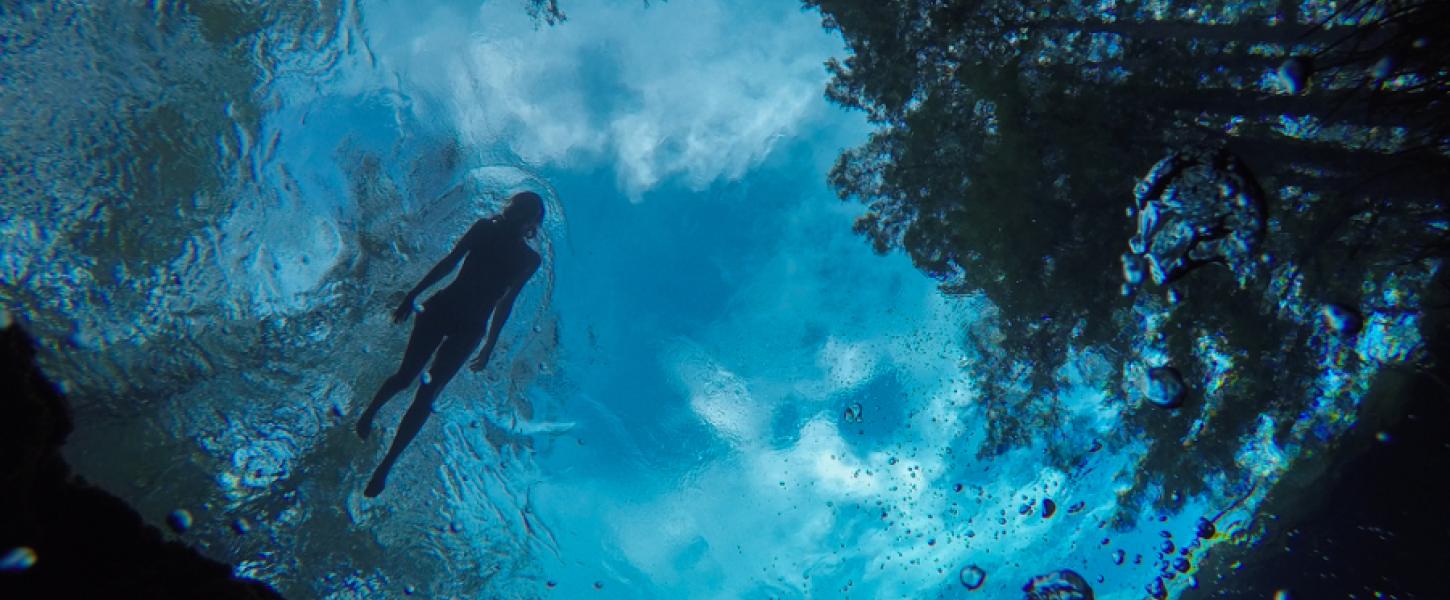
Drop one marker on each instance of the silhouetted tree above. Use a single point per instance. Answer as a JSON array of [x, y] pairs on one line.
[[1009, 137]]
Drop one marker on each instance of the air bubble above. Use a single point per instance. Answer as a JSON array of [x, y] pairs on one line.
[[1206, 529], [1165, 387], [1294, 74], [179, 520], [1341, 319], [1156, 590], [972, 577], [1058, 585]]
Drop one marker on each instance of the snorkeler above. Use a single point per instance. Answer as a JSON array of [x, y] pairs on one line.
[[499, 262]]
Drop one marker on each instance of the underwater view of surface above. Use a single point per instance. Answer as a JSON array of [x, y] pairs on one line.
[[1122, 295]]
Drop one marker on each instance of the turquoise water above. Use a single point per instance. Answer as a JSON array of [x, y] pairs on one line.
[[713, 389]]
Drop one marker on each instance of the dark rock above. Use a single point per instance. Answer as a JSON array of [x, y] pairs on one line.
[[88, 543]]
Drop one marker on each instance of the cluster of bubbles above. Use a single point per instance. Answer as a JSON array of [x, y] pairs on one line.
[[1195, 207], [1201, 206], [1058, 585], [1293, 74]]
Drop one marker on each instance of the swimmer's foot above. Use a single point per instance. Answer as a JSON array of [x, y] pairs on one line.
[[375, 485]]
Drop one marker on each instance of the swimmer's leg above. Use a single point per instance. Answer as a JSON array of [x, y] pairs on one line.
[[451, 356], [427, 335]]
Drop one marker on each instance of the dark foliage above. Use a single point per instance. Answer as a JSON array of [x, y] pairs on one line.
[[1010, 135]]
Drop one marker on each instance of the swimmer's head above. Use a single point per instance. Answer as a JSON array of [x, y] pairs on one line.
[[524, 212]]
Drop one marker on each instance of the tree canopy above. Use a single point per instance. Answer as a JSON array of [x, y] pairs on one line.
[[1009, 138]]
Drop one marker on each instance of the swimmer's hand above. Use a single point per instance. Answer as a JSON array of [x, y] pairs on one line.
[[404, 309]]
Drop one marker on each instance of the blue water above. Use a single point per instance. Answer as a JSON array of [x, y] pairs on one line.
[[664, 418]]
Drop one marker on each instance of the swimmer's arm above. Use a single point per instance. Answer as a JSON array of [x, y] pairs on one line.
[[501, 313], [438, 272]]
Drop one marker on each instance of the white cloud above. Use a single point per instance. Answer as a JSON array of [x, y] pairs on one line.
[[688, 92], [716, 395]]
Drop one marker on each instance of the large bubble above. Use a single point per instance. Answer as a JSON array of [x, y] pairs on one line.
[[1058, 585], [1197, 207]]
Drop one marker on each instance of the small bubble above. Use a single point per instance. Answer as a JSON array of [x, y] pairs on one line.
[[1058, 585], [179, 520], [599, 585], [1156, 590], [1294, 74], [972, 577], [1119, 556], [1340, 319], [1206, 529], [1384, 67], [1048, 508], [1165, 387]]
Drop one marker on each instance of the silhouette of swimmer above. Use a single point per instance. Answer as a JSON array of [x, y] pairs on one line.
[[497, 262]]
